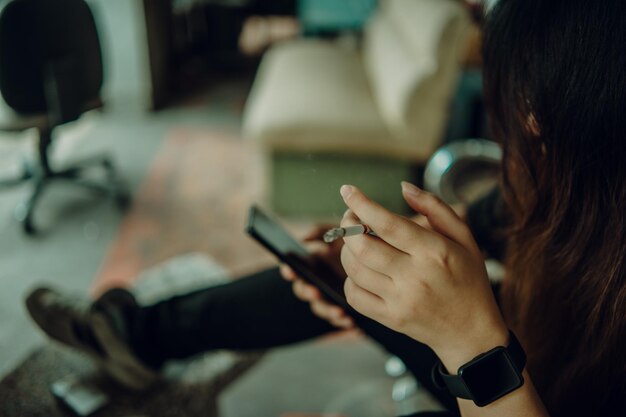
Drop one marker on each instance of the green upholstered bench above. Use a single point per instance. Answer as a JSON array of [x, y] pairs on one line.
[[309, 184]]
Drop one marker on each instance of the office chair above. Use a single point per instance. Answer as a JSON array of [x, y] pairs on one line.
[[50, 74]]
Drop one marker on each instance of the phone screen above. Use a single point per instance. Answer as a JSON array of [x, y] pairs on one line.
[[275, 238]]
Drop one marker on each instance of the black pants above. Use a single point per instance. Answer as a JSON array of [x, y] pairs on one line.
[[256, 312]]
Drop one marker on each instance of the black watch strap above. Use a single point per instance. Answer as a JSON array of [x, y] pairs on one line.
[[452, 383], [455, 384]]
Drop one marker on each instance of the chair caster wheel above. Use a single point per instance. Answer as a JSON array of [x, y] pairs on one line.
[[108, 165], [29, 227], [122, 200], [24, 215]]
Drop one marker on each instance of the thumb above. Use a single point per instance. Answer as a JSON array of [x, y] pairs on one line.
[[411, 198], [440, 215]]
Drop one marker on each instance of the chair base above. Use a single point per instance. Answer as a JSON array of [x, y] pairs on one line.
[[42, 176]]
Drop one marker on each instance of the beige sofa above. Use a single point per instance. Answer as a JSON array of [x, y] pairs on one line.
[[324, 113]]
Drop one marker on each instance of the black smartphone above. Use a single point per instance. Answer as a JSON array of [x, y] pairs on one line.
[[288, 250]]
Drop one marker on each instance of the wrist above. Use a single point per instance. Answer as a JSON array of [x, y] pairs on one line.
[[458, 353]]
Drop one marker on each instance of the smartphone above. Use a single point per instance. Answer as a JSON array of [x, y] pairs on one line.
[[277, 240], [287, 249]]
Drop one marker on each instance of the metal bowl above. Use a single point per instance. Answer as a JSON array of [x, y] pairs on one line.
[[460, 171]]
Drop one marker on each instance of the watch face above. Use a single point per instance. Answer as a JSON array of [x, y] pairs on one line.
[[490, 376]]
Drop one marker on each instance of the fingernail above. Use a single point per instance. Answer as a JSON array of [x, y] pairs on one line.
[[346, 191], [409, 188]]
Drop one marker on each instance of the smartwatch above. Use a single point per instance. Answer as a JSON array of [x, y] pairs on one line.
[[487, 377]]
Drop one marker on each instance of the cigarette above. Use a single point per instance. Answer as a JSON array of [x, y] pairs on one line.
[[339, 232]]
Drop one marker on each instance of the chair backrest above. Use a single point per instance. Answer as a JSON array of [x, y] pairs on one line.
[[411, 55], [43, 40]]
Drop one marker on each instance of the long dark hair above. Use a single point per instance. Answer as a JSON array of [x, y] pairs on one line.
[[555, 85]]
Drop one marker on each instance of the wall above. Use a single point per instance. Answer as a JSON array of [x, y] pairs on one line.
[[121, 26]]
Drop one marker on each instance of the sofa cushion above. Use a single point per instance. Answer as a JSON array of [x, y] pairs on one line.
[[411, 59], [433, 28], [313, 96]]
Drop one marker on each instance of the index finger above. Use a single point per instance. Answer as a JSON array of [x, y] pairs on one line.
[[396, 230]]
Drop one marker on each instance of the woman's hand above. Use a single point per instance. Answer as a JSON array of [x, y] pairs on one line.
[[429, 284], [330, 254], [460, 209]]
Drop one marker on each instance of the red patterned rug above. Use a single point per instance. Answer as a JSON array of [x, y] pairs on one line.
[[194, 198]]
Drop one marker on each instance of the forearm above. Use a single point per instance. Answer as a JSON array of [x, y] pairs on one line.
[[523, 402]]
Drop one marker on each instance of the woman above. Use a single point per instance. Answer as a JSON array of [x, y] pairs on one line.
[[556, 89]]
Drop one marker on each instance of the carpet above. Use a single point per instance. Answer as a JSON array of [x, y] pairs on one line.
[[186, 391], [195, 198]]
